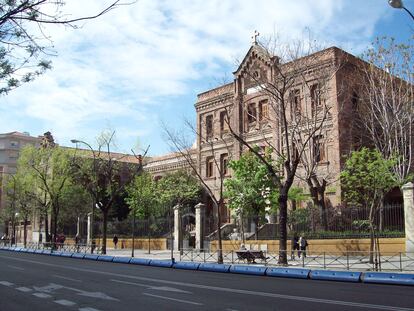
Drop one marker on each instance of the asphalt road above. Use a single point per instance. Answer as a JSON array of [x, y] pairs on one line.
[[38, 282]]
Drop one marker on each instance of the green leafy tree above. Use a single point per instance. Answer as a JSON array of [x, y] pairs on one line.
[[249, 189], [177, 188], [21, 195], [25, 44], [105, 175], [366, 178], [143, 200], [49, 169]]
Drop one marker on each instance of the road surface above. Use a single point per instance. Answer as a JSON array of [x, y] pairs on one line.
[[37, 282]]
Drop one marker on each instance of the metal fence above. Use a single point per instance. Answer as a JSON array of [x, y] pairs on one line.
[[342, 222], [358, 261]]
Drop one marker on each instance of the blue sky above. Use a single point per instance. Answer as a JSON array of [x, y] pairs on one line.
[[144, 64]]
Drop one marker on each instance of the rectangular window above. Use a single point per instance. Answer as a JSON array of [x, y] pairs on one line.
[[263, 110], [209, 126], [295, 151], [251, 113], [224, 162], [14, 143], [224, 119], [210, 167], [315, 98], [295, 102], [318, 149]]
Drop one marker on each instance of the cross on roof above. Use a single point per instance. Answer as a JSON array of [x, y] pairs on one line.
[[254, 37]]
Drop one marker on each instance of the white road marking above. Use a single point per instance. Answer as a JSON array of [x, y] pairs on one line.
[[174, 299], [5, 283], [219, 289], [88, 309], [15, 267], [53, 287], [64, 302], [24, 289], [162, 288], [41, 295], [66, 278]]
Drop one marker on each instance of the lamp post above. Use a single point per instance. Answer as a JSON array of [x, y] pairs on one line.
[[91, 235], [398, 4]]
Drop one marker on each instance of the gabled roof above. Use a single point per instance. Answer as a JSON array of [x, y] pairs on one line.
[[261, 53]]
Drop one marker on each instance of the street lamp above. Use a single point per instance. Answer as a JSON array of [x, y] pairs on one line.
[[398, 4], [91, 236]]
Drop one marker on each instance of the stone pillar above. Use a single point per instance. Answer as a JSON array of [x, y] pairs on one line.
[[178, 241], [408, 195], [90, 223], [199, 225]]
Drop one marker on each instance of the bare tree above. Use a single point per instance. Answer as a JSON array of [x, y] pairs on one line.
[[24, 38], [215, 190], [294, 87], [384, 98]]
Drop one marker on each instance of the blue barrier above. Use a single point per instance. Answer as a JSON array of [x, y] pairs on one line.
[[105, 258], [39, 251], [78, 255], [388, 278], [140, 261], [54, 253], [186, 265], [161, 263], [91, 256], [343, 276], [23, 250], [30, 250], [214, 267], [47, 252], [17, 249], [288, 273], [122, 259], [66, 254], [248, 270]]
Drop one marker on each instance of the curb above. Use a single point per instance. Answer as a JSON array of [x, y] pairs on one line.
[[298, 273]]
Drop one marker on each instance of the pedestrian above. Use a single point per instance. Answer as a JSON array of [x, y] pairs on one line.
[[302, 245], [294, 245], [77, 241], [93, 245], [115, 240]]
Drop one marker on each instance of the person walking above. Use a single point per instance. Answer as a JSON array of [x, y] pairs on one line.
[[115, 240], [302, 245], [294, 245]]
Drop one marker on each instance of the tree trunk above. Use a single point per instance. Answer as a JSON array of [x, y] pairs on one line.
[[381, 217], [149, 235], [256, 227], [54, 226], [47, 237], [25, 232], [104, 229], [220, 244], [283, 198]]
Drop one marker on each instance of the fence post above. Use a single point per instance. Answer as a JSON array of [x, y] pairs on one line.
[[401, 268], [303, 260], [232, 256], [347, 260], [192, 255], [324, 260], [204, 255]]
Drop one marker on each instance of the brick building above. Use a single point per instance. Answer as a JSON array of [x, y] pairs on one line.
[[320, 82]]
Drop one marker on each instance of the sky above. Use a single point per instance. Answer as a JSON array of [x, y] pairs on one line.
[[142, 65]]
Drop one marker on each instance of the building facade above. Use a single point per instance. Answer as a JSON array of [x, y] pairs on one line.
[[10, 146], [321, 85]]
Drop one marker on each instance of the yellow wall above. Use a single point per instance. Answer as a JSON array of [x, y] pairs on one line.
[[393, 245], [156, 244]]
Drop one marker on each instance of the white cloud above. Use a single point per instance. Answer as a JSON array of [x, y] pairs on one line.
[[116, 68]]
